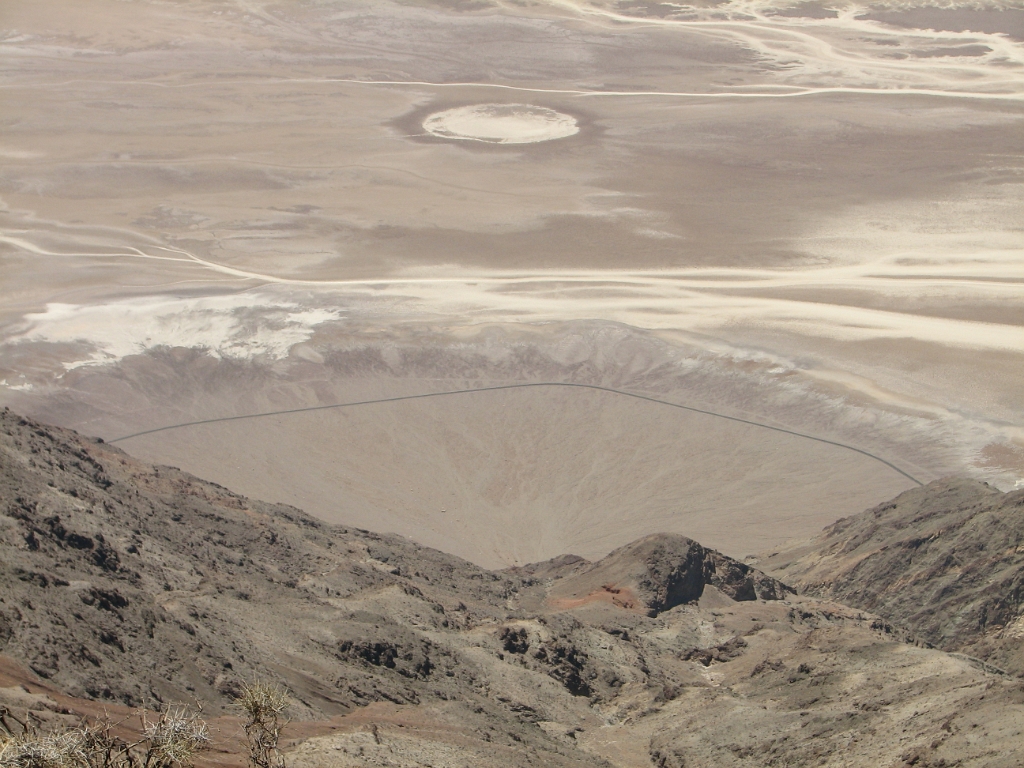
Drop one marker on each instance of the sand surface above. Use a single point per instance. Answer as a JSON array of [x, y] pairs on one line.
[[803, 216], [507, 478]]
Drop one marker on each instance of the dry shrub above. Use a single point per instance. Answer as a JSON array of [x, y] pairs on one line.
[[263, 704], [170, 741], [63, 749], [175, 738]]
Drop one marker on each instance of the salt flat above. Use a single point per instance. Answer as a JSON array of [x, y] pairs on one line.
[[802, 215]]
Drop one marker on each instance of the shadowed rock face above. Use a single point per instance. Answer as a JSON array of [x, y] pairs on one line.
[[659, 572], [741, 582], [126, 583], [946, 561]]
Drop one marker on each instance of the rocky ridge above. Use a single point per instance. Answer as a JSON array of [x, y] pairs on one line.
[[131, 584], [946, 561]]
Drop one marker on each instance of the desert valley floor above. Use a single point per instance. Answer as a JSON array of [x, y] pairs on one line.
[[802, 220]]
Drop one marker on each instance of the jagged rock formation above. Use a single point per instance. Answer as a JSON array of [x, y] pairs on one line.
[[945, 561], [127, 583], [658, 573]]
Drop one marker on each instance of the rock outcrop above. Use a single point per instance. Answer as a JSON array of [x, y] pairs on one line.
[[946, 561], [661, 571]]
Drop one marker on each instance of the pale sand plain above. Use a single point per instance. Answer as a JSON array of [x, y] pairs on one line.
[[801, 216], [523, 476]]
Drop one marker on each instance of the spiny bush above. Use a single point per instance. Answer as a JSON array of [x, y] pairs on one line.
[[170, 741], [174, 739], [263, 704], [65, 749]]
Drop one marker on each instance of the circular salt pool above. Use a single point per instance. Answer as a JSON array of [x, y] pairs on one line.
[[501, 124]]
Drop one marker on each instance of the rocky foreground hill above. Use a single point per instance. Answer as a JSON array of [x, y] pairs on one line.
[[130, 584]]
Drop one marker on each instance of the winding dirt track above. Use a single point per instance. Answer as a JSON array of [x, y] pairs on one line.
[[521, 386]]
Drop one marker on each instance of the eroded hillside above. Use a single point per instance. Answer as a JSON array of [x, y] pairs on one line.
[[946, 561], [134, 584]]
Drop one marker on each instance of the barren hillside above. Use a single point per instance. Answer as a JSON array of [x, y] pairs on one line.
[[946, 561], [134, 584]]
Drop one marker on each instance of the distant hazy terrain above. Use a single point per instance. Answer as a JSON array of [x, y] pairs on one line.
[[804, 215]]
